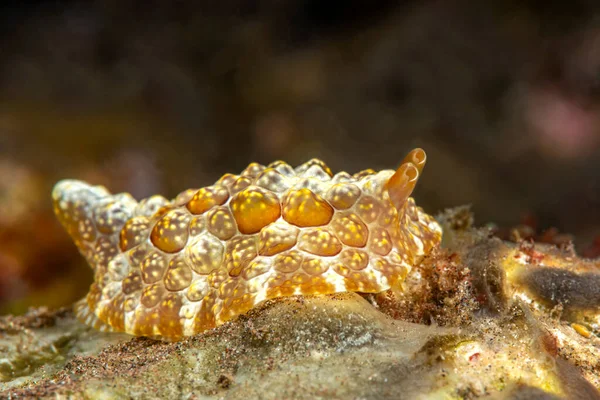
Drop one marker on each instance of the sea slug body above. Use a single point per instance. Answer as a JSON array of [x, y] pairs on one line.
[[171, 269]]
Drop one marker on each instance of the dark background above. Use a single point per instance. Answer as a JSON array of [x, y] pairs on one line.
[[158, 96]]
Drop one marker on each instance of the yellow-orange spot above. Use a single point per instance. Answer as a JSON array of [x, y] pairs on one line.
[[226, 180], [152, 295], [110, 290], [188, 311], [362, 281], [388, 217], [315, 266], [393, 272], [300, 278], [288, 262], [204, 253], [116, 315], [235, 300], [252, 170], [197, 225], [254, 208], [305, 208], [130, 303], [94, 295], [111, 216], [255, 268], [134, 232], [163, 210], [315, 168], [354, 259], [341, 269], [145, 320], [317, 285], [170, 234], [149, 206], [396, 257], [205, 317], [206, 198], [240, 252], [118, 268], [343, 195], [101, 312], [368, 209], [104, 251], [277, 238], [179, 275], [220, 223], [320, 242], [86, 230], [364, 173], [283, 168], [272, 180], [153, 267], [185, 196], [170, 321], [278, 285], [350, 229], [380, 241], [232, 289], [240, 184], [132, 283], [342, 177], [136, 255], [197, 290], [216, 277]]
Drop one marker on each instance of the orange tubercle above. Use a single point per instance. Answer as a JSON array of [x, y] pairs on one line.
[[305, 208], [207, 198], [254, 208]]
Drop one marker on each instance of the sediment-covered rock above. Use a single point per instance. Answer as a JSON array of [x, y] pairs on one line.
[[479, 318]]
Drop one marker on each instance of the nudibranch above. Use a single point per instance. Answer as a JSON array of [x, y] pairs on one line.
[[171, 269]]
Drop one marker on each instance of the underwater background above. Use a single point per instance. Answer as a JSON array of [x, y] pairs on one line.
[[155, 97]]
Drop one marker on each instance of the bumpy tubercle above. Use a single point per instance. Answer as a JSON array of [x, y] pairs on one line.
[[174, 269]]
